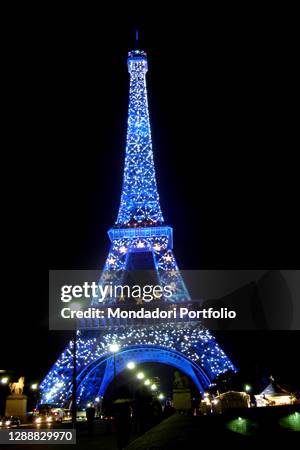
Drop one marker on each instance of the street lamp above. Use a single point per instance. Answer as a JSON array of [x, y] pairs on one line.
[[4, 380], [114, 348], [247, 388], [34, 386], [161, 396], [140, 376], [130, 365], [153, 387], [147, 382]]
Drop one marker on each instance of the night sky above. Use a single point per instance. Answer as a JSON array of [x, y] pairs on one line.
[[221, 97]]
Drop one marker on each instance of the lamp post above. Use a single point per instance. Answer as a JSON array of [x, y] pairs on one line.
[[34, 387], [114, 348], [75, 306], [74, 388]]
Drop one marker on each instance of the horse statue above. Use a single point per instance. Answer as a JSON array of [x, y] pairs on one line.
[[17, 387], [180, 381]]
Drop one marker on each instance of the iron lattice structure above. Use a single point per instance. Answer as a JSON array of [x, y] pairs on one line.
[[139, 228], [139, 200]]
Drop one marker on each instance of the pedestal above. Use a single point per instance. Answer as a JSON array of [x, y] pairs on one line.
[[16, 405], [182, 399]]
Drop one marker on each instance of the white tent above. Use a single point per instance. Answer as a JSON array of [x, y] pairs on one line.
[[274, 395]]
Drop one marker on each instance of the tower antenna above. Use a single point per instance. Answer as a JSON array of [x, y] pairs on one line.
[[136, 38]]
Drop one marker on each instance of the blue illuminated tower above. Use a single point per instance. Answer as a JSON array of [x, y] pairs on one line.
[[138, 231]]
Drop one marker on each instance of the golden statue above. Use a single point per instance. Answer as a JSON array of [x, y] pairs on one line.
[[17, 387]]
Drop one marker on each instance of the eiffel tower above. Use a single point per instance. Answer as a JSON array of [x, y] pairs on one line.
[[139, 237]]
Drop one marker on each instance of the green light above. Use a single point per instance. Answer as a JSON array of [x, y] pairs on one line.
[[291, 422], [242, 426]]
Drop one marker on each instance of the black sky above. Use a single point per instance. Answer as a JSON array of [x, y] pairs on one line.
[[222, 107]]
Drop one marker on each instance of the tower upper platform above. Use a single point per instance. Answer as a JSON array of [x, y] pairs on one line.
[[137, 61]]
